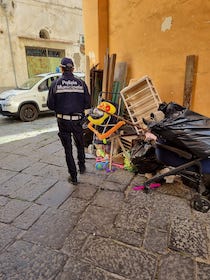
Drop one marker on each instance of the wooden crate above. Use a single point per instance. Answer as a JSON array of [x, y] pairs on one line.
[[141, 99]]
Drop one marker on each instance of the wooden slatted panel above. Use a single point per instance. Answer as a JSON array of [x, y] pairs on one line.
[[141, 99], [127, 141]]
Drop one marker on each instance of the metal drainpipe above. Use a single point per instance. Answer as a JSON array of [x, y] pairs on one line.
[[10, 45]]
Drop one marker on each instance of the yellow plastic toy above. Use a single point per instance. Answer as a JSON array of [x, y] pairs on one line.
[[104, 107], [107, 109]]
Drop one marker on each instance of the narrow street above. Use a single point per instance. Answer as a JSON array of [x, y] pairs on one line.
[[99, 230], [13, 129]]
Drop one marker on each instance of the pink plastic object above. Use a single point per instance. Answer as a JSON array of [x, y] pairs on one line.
[[152, 186]]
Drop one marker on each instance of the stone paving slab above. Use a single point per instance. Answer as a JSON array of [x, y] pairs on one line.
[[29, 216], [17, 181], [47, 170], [175, 266], [77, 270], [189, 237], [97, 220], [160, 218], [4, 155], [35, 168], [33, 156], [92, 179], [165, 207], [34, 188], [7, 234], [85, 191], [109, 199], [56, 195], [12, 210], [120, 176], [54, 159], [74, 243], [113, 186], [14, 146], [121, 260], [132, 217], [56, 172], [3, 200], [128, 236], [25, 260], [15, 162], [203, 271], [6, 175], [50, 148], [74, 205], [141, 199], [156, 241], [52, 228]]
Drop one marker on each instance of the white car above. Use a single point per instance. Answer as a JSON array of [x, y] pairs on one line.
[[28, 101]]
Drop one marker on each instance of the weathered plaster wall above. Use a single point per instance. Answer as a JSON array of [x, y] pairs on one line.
[[24, 19], [154, 38], [95, 16], [91, 30]]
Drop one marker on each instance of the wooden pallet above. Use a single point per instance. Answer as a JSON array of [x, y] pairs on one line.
[[127, 141], [141, 99]]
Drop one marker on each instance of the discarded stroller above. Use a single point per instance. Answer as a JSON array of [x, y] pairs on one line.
[[183, 142]]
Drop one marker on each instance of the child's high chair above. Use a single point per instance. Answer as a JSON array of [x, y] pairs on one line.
[[104, 125]]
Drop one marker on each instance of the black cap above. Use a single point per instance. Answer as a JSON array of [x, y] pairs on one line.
[[67, 62]]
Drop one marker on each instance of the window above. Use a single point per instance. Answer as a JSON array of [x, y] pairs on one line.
[[43, 86], [30, 51], [36, 52], [44, 34]]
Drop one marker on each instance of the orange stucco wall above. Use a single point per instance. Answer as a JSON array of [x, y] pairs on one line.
[[95, 14], [154, 38]]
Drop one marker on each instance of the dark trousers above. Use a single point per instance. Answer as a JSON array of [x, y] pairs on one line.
[[67, 129]]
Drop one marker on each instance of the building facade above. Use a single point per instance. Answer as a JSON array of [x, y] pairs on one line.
[[35, 35], [155, 38]]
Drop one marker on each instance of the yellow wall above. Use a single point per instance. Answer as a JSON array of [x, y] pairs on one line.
[[154, 38]]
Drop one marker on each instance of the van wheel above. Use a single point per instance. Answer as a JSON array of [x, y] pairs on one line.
[[28, 113]]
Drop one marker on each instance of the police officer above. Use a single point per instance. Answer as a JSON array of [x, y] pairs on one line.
[[68, 96]]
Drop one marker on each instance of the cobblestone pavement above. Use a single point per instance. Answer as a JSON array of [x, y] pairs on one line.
[[98, 230]]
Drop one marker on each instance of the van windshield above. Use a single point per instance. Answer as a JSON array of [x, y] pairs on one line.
[[30, 82]]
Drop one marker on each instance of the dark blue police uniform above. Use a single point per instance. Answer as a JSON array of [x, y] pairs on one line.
[[69, 97]]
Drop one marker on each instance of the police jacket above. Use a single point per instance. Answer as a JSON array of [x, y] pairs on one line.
[[68, 95]]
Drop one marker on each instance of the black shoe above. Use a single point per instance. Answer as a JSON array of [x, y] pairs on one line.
[[73, 180], [82, 169]]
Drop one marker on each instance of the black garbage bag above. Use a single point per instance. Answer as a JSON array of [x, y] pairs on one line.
[[143, 157], [184, 129]]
